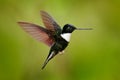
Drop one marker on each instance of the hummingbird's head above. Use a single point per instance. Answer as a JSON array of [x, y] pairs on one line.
[[68, 28]]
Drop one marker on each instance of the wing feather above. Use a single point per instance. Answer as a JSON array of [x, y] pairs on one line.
[[38, 32], [50, 23]]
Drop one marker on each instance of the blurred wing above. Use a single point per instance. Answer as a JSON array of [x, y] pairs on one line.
[[37, 32], [50, 23]]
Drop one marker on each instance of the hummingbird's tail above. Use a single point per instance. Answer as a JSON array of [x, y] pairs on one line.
[[45, 63], [50, 56]]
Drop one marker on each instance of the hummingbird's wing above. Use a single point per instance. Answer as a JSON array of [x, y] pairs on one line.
[[38, 32], [50, 23]]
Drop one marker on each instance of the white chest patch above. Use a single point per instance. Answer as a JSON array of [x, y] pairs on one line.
[[66, 36]]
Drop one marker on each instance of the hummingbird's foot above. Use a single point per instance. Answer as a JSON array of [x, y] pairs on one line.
[[61, 52]]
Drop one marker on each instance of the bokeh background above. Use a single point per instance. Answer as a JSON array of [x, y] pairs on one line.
[[91, 55]]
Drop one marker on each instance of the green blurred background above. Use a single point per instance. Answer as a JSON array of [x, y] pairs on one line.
[[91, 55]]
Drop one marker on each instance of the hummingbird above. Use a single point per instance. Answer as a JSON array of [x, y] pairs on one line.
[[53, 36]]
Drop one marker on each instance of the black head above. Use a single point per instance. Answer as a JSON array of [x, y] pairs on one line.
[[70, 28]]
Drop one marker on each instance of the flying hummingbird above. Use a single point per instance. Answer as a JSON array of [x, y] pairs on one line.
[[53, 36]]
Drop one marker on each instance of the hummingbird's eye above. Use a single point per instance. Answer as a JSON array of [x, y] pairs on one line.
[[68, 28]]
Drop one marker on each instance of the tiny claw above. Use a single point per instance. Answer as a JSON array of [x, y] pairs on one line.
[[62, 52]]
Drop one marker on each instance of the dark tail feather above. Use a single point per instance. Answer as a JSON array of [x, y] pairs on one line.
[[50, 56], [45, 63]]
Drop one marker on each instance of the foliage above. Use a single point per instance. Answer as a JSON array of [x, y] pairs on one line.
[[91, 55]]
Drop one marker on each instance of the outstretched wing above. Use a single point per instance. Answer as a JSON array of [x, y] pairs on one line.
[[38, 32], [50, 23]]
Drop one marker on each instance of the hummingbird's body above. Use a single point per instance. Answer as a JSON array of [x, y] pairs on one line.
[[53, 36], [61, 42]]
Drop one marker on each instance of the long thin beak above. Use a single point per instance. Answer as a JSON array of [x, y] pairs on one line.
[[84, 29]]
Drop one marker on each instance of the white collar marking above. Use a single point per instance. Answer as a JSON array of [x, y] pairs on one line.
[[66, 36]]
